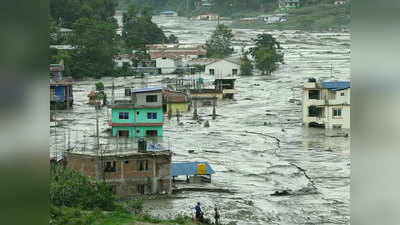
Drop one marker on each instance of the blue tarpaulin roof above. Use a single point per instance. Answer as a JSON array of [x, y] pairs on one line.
[[150, 89], [189, 168], [336, 85]]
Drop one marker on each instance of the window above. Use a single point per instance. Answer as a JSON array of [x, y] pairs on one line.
[[142, 165], [109, 166], [211, 71], [234, 71], [313, 94], [342, 94], [124, 115], [314, 111], [152, 116], [151, 98], [137, 113], [337, 112], [337, 126]]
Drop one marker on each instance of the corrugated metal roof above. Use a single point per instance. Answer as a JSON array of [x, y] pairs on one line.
[[189, 168], [150, 89], [336, 85]]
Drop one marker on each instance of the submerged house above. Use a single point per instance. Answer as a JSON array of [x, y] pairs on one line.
[[61, 92], [175, 102], [226, 86], [326, 104], [223, 68], [140, 116], [146, 170]]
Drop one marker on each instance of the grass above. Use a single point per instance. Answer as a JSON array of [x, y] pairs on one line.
[[322, 17]]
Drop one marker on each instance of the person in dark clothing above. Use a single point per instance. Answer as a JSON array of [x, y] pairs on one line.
[[216, 216], [199, 213]]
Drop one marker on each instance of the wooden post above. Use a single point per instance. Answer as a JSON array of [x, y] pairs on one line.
[[169, 111], [195, 116], [214, 113], [177, 115]]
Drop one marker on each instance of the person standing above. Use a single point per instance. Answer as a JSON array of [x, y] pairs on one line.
[[199, 213]]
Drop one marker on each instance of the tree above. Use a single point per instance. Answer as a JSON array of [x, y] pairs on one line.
[[140, 30], [95, 48], [246, 67], [266, 53], [219, 45]]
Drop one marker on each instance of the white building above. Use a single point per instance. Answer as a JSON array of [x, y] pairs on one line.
[[168, 64], [326, 104], [223, 68], [119, 62]]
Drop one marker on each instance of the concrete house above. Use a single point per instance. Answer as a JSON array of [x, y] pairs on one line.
[[326, 104], [61, 92], [139, 117], [168, 64], [223, 68], [174, 102], [146, 170]]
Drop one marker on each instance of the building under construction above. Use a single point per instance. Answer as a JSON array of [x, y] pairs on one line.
[[61, 92], [146, 170]]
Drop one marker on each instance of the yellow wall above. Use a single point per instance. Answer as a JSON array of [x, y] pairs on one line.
[[182, 107]]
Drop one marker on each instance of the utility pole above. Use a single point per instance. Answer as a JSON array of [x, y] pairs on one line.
[[195, 116], [214, 113]]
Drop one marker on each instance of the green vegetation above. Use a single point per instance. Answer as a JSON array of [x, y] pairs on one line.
[[140, 30], [266, 53], [77, 200], [94, 39], [191, 7], [246, 67], [220, 43], [313, 17]]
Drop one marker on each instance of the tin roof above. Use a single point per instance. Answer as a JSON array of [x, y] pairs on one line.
[[189, 168], [336, 85], [149, 89]]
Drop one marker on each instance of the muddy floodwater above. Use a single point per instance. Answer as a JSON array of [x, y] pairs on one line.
[[257, 145]]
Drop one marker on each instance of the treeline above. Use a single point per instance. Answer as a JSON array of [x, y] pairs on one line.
[[191, 7], [94, 39]]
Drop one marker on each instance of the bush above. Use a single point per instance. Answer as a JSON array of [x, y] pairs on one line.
[[72, 189]]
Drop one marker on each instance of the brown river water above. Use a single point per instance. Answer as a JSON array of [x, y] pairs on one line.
[[251, 159]]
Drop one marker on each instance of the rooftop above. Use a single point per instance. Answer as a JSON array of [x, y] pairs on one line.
[[336, 85], [149, 89], [189, 168]]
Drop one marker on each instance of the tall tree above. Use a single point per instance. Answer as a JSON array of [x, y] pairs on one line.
[[95, 49], [220, 43], [266, 53], [140, 30]]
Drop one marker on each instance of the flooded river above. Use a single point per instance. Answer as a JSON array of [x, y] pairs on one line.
[[257, 145]]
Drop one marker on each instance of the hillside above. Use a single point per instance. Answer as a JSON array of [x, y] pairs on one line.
[[320, 17]]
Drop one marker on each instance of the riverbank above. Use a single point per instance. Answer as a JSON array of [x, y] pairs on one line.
[[318, 18]]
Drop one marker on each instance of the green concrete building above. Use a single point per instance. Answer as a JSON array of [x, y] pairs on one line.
[[141, 116]]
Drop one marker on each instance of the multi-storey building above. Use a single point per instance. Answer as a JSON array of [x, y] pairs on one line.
[[140, 116], [326, 104]]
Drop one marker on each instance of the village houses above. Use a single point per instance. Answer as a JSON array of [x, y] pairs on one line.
[[326, 104]]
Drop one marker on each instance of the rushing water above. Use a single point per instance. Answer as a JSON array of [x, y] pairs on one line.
[[251, 159]]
